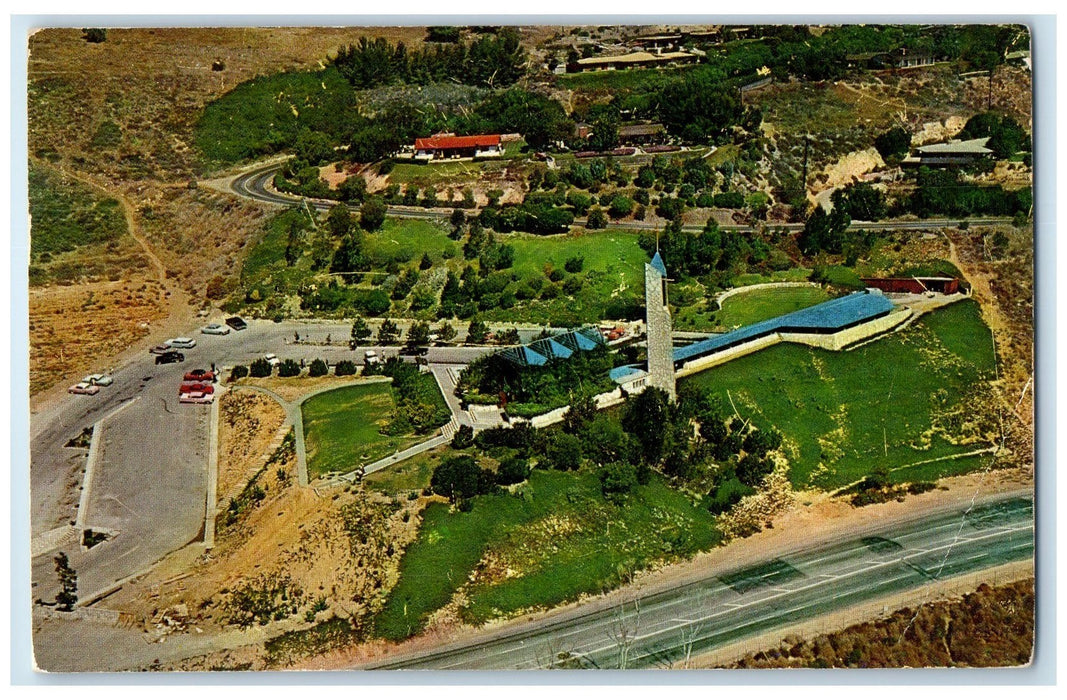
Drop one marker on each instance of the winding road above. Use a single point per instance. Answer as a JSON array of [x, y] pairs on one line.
[[256, 183]]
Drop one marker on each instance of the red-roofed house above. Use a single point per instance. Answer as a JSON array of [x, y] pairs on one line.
[[441, 146]]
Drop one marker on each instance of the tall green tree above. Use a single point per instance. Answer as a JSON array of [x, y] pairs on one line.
[[645, 417], [361, 332], [372, 213]]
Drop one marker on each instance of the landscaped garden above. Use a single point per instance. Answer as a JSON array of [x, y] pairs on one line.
[[357, 425]]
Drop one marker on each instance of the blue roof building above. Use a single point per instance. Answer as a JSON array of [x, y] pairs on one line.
[[558, 347], [829, 317]]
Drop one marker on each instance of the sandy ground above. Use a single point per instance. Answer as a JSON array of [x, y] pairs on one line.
[[249, 424]]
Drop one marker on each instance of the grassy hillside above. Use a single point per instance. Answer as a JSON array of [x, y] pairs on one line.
[[897, 403], [551, 541]]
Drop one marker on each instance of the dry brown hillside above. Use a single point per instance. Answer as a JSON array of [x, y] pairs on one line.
[[151, 84]]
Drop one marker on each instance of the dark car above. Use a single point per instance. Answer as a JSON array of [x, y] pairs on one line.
[[169, 357], [237, 323]]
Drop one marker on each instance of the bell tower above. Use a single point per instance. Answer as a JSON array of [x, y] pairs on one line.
[[658, 327]]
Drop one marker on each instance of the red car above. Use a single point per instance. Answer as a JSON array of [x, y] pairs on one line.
[[200, 375], [195, 388]]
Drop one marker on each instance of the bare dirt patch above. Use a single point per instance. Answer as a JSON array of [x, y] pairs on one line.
[[294, 388], [248, 426], [73, 329]]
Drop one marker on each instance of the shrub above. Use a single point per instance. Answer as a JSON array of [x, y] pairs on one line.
[[513, 471], [726, 495], [460, 478], [260, 368], [463, 438], [238, 372], [575, 264], [289, 368], [617, 479], [729, 200], [345, 368], [563, 452], [318, 368], [596, 219]]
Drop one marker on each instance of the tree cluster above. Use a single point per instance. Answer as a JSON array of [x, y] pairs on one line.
[[493, 60]]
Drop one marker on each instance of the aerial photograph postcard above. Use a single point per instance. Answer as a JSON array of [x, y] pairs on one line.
[[478, 347]]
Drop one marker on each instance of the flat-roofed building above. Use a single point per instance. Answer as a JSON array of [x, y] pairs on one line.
[[953, 152], [637, 59]]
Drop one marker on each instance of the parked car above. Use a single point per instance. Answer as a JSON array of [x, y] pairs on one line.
[[215, 329], [272, 359], [370, 357], [169, 357], [195, 388], [184, 343], [200, 375], [83, 388], [159, 349], [237, 323], [195, 397], [98, 380]]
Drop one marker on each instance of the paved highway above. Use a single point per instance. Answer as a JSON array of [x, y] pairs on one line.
[[256, 183], [657, 629]]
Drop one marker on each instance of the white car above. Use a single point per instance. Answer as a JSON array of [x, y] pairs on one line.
[[370, 357], [184, 343], [84, 388], [98, 380], [272, 359], [215, 329]]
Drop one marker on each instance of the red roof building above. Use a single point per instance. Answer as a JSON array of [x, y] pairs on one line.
[[450, 146]]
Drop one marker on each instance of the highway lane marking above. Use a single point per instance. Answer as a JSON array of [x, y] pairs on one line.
[[799, 590], [733, 607]]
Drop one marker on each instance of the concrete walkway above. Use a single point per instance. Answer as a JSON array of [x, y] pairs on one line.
[[294, 416]]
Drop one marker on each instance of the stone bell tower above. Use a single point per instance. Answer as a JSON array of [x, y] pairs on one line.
[[658, 327]]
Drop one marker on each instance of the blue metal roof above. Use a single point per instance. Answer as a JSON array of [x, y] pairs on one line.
[[621, 374], [525, 356], [657, 262], [827, 317], [559, 347], [551, 348]]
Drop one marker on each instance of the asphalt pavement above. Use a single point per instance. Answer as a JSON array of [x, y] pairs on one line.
[[658, 629], [148, 486]]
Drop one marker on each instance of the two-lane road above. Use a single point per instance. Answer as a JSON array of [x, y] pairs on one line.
[[256, 183], [661, 628]]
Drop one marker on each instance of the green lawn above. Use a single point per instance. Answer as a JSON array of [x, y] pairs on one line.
[[413, 474], [342, 428], [407, 239], [890, 403], [761, 304], [558, 537], [613, 271]]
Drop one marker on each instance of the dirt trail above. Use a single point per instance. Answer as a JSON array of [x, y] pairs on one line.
[[178, 314]]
